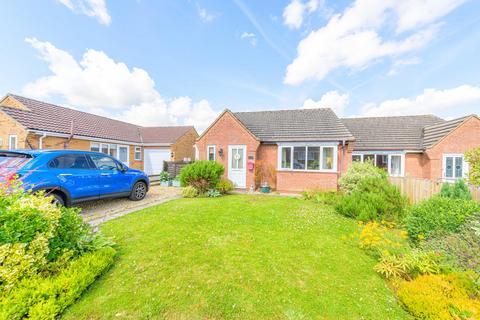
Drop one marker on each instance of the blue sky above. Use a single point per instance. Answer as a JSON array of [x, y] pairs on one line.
[[182, 62]]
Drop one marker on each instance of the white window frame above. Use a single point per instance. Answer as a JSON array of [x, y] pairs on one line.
[[444, 166], [389, 161], [138, 150], [14, 136], [118, 146], [306, 145], [214, 152]]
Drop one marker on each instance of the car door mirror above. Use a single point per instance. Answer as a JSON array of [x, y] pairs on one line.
[[123, 168]]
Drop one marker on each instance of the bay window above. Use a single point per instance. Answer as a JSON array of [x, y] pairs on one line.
[[308, 158]]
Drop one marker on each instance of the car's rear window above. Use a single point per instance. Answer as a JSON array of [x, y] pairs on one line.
[[13, 160]]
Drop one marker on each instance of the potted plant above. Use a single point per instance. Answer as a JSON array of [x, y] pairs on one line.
[[265, 187], [176, 182], [165, 179]]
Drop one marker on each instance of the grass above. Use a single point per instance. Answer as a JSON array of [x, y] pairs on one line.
[[237, 257]]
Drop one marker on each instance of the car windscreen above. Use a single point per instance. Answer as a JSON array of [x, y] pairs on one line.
[[13, 160]]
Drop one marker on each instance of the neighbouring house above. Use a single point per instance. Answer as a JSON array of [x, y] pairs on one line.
[[423, 146], [30, 124], [303, 149], [311, 148]]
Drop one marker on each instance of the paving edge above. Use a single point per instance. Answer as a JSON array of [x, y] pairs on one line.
[[96, 222]]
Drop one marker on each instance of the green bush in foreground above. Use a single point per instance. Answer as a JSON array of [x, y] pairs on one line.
[[438, 216], [373, 199], [457, 190], [202, 175], [189, 192], [357, 172], [45, 298], [224, 186]]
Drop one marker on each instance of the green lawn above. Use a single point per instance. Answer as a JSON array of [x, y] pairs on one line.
[[237, 257]]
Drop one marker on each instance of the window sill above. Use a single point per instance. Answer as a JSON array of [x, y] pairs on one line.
[[309, 171]]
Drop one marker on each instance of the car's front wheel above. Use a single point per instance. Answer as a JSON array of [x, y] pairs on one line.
[[58, 200], [139, 191]]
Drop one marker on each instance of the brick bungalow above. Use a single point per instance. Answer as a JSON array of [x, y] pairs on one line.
[[30, 124], [311, 148], [306, 149]]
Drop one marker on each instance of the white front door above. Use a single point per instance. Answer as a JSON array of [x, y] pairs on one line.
[[237, 165]]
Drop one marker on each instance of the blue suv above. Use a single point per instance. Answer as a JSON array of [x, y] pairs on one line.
[[72, 176]]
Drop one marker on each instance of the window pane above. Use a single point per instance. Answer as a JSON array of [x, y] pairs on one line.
[[105, 148], [382, 161], [211, 153], [138, 153], [313, 158], [458, 167], [95, 147], [69, 162], [395, 165], [357, 158], [369, 158], [113, 150], [449, 167], [299, 158], [327, 158], [104, 163], [240, 158], [286, 158]]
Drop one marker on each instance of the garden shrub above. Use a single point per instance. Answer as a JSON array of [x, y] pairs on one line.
[[409, 265], [323, 197], [373, 199], [462, 248], [38, 297], [189, 192], [438, 297], [473, 159], [224, 186], [438, 216], [457, 190], [359, 171], [377, 238], [212, 193], [202, 175]]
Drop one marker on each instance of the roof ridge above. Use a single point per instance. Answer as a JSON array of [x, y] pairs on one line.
[[277, 110], [401, 116]]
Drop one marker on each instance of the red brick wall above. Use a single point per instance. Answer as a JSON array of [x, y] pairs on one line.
[[416, 165], [462, 139], [227, 131]]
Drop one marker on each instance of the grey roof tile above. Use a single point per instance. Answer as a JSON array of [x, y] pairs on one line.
[[433, 133], [390, 133], [295, 125]]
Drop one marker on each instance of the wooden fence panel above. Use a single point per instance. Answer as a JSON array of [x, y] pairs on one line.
[[418, 190]]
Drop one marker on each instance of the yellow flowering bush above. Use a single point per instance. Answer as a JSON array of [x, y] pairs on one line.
[[438, 297], [379, 237]]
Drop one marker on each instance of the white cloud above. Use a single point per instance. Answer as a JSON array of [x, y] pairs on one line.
[[204, 15], [433, 101], [103, 86], [398, 64], [332, 99], [91, 8], [294, 12], [353, 40], [250, 36]]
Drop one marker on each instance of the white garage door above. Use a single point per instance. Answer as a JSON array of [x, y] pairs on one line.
[[154, 159]]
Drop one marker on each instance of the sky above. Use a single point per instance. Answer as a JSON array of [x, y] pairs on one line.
[[178, 62]]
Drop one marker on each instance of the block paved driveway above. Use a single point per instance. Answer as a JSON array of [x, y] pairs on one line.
[[96, 212]]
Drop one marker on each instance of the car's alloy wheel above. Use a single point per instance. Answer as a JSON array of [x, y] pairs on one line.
[[139, 191]]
